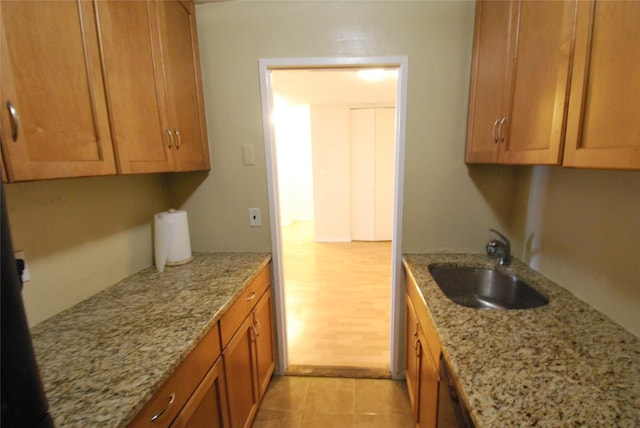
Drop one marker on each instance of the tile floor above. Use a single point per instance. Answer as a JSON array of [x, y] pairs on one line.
[[309, 402]]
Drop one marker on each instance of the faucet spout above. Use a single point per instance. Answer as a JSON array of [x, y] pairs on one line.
[[499, 248]]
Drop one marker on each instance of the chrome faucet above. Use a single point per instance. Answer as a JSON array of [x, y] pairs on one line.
[[499, 248]]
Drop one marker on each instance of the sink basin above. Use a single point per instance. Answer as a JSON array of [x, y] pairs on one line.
[[485, 288]]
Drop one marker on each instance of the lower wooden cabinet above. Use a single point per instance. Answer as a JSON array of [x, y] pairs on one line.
[[239, 357], [177, 394], [250, 361], [207, 407], [423, 350], [221, 382]]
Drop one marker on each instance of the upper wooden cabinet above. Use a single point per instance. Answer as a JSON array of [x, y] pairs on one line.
[[519, 82], [153, 85], [183, 84], [603, 130], [88, 84], [53, 108]]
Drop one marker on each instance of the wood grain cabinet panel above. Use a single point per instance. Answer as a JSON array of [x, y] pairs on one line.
[[423, 349], [180, 387], [152, 72], [519, 85], [207, 407], [177, 26], [53, 108], [488, 80], [603, 130], [265, 347], [240, 369], [250, 362], [411, 356]]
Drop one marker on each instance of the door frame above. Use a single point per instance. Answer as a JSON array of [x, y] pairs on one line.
[[397, 288]]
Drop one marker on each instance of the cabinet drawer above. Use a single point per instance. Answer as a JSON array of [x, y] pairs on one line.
[[232, 319], [175, 392]]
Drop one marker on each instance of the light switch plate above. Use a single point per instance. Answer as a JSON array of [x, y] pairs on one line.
[[248, 155]]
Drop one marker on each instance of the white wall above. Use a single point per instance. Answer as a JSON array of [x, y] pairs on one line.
[[581, 228], [292, 124]]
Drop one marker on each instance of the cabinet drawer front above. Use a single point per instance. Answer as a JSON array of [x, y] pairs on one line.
[[175, 392], [232, 319]]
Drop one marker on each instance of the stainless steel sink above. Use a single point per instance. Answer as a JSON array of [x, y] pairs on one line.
[[485, 288]]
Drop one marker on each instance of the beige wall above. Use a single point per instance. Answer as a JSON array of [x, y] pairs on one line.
[[446, 206], [82, 235], [581, 228]]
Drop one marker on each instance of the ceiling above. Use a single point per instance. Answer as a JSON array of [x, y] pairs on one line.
[[332, 86]]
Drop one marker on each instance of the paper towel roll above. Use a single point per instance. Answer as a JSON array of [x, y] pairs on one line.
[[172, 245]]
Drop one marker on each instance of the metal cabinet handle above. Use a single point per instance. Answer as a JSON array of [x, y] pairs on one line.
[[493, 131], [168, 131], [502, 121], [251, 296], [15, 121], [155, 417], [179, 138], [258, 327], [255, 333]]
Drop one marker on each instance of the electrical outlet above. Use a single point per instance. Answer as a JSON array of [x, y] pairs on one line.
[[254, 217], [26, 276]]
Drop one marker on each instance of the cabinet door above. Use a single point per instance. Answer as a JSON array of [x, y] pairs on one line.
[[427, 406], [603, 130], [411, 357], [240, 371], [135, 90], [52, 77], [488, 80], [542, 35], [207, 407], [265, 350], [183, 84]]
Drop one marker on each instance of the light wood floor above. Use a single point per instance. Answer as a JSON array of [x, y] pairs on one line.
[[338, 300]]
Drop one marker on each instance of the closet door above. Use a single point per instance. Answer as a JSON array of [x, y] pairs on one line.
[[372, 140]]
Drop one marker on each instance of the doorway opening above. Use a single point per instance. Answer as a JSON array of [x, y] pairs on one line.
[[334, 146]]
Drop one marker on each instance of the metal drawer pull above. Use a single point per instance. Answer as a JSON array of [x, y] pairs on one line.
[[493, 131], [502, 121], [258, 327], [251, 297], [168, 131], [15, 121], [179, 138], [155, 417]]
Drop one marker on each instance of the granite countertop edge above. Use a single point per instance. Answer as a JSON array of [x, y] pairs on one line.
[[102, 359], [562, 364]]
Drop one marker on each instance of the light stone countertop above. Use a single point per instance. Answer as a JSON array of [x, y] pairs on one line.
[[102, 359], [561, 365]]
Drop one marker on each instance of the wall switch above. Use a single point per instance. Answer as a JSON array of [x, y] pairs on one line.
[[26, 276], [248, 155], [254, 217]]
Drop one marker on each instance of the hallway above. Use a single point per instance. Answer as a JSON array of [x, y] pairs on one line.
[[338, 298]]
